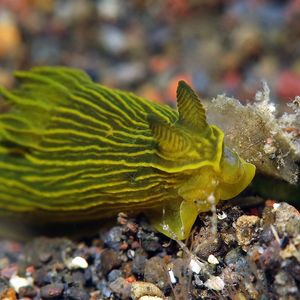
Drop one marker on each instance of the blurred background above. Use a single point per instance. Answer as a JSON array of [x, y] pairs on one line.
[[219, 46]]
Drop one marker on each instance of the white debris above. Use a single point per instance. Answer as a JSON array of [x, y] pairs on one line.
[[222, 216], [215, 283], [269, 149], [131, 253], [172, 276], [78, 262], [212, 259], [195, 266], [276, 206], [17, 282]]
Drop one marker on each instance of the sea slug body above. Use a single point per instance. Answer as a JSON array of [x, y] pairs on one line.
[[73, 150]]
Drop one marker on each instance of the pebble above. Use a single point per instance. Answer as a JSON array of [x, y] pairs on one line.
[[195, 266], [109, 260], [52, 291], [121, 287], [285, 285], [140, 289], [75, 293], [77, 262], [172, 276], [246, 230], [16, 282], [27, 291], [114, 274], [150, 243], [155, 272], [8, 294], [215, 283], [212, 259], [78, 277], [4, 284], [207, 243], [287, 220], [113, 238], [41, 277], [138, 264], [270, 258], [105, 291]]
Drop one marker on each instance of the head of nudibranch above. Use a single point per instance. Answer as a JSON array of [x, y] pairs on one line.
[[205, 169]]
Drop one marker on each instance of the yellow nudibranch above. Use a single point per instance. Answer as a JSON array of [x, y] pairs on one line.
[[73, 150]]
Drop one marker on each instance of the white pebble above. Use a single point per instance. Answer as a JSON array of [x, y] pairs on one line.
[[212, 260], [222, 216], [215, 283], [172, 276], [78, 262], [16, 282], [195, 266]]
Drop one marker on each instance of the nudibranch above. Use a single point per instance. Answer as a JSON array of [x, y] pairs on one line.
[[73, 150]]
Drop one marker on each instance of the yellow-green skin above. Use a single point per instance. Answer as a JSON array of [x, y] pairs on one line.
[[73, 150]]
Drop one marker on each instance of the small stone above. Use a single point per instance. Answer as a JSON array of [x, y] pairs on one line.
[[246, 230], [3, 284], [140, 289], [109, 260], [207, 243], [8, 294], [172, 276], [121, 287], [16, 282], [127, 269], [113, 238], [287, 220], [285, 285], [138, 264], [270, 258], [233, 256], [155, 272], [75, 293], [113, 275], [77, 262], [105, 291], [222, 215], [27, 291], [293, 269], [41, 277], [212, 260], [52, 291], [130, 253], [215, 283], [198, 281], [150, 243], [266, 236], [290, 251], [78, 277], [195, 266]]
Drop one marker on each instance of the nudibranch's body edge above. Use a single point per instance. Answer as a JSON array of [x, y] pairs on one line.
[[73, 150]]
